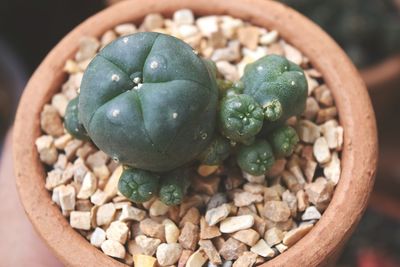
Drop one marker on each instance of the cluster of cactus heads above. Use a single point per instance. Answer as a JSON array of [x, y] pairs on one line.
[[158, 113]]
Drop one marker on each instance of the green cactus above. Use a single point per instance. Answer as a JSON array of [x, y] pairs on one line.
[[279, 86], [149, 101], [72, 123], [138, 185], [217, 151], [174, 186], [240, 118], [256, 158], [283, 141]]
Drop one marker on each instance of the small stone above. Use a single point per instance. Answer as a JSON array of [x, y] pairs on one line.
[[247, 259], [47, 151], [320, 192], [98, 158], [321, 150], [255, 54], [103, 173], [152, 228], [88, 47], [144, 260], [148, 245], [111, 187], [190, 201], [236, 223], [312, 108], [232, 249], [332, 169], [291, 201], [206, 170], [89, 186], [260, 179], [228, 263], [99, 197], [197, 259], [273, 236], [248, 236], [311, 213], [228, 70], [281, 247], [215, 215], [85, 150], [50, 121], [309, 170], [207, 25], [270, 193], [277, 168], [296, 234], [152, 21], [67, 198], [125, 29], [107, 38], [217, 40], [105, 214], [71, 148], [291, 181], [295, 168], [242, 199], [193, 216], [269, 38], [230, 25], [302, 200], [98, 237], [254, 188], [207, 185], [217, 200], [292, 54], [276, 211], [187, 31], [183, 16], [312, 84], [206, 231], [158, 208], [60, 102], [333, 134], [229, 53], [210, 251], [113, 248], [168, 254], [80, 220], [71, 67], [186, 253], [323, 95], [249, 36], [171, 231], [61, 162], [189, 236], [262, 249], [308, 131], [117, 231], [62, 141], [326, 114]]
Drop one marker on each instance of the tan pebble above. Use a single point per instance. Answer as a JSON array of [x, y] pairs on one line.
[[248, 236], [152, 228], [186, 31], [61, 163], [254, 188], [60, 102], [259, 179], [80, 220], [158, 208], [292, 54], [47, 151], [248, 36], [99, 197], [246, 60], [312, 108], [50, 121], [197, 259], [210, 251], [206, 170], [309, 170], [320, 192], [312, 84], [217, 39], [281, 247], [213, 216], [332, 169], [111, 187], [254, 54], [193, 216], [207, 185], [308, 131], [171, 231], [326, 114], [291, 201], [262, 249], [291, 181], [183, 16], [208, 232], [117, 231], [105, 214], [230, 25], [98, 237], [276, 211], [79, 170], [144, 260], [168, 254], [242, 199], [229, 53], [102, 172], [98, 158], [333, 134], [125, 29], [71, 148], [107, 38], [190, 201], [89, 186], [247, 259], [128, 260], [296, 234], [62, 141], [321, 150], [85, 150], [302, 200], [152, 21], [273, 236], [189, 236], [88, 47], [67, 198], [113, 248], [71, 66], [275, 49], [311, 213], [184, 257], [207, 25], [269, 38], [277, 168], [236, 223], [323, 95], [232, 249], [130, 213], [148, 245], [228, 70], [270, 193], [295, 168]]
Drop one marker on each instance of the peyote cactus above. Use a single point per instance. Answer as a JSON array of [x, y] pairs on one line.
[[150, 102]]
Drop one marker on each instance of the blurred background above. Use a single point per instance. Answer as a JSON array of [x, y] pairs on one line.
[[368, 30]]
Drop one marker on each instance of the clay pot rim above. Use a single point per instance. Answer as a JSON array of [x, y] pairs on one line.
[[359, 155]]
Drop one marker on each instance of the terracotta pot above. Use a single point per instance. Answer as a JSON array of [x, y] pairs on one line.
[[356, 116]]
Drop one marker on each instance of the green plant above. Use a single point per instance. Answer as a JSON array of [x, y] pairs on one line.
[[256, 158], [283, 141], [174, 186], [216, 152], [71, 121]]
